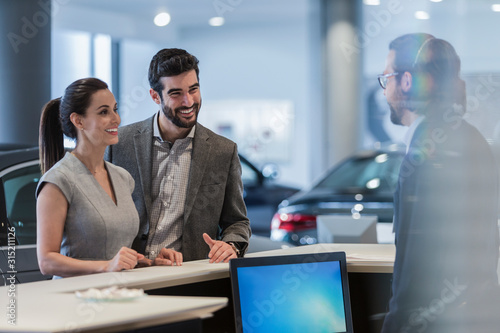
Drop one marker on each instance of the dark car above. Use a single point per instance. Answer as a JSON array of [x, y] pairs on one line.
[[19, 176], [362, 185], [262, 195]]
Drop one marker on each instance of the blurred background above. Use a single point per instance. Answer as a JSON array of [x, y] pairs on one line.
[[293, 82], [269, 67]]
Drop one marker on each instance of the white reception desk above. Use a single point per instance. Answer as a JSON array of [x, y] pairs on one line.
[[51, 306]]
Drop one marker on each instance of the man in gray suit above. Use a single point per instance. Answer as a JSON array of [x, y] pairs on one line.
[[188, 188]]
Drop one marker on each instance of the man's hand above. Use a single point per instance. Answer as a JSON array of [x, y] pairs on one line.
[[219, 250], [168, 257]]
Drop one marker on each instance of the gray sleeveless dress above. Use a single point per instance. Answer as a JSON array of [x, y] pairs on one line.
[[95, 228]]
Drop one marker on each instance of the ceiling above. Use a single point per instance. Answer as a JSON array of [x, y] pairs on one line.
[[195, 12], [468, 25], [198, 12]]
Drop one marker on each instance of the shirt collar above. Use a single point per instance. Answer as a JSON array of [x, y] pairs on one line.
[[411, 131], [156, 129]]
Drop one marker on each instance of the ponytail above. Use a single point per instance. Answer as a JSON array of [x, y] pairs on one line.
[[56, 119], [51, 140]]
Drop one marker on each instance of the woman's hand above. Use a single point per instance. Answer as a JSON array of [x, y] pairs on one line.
[[125, 259]]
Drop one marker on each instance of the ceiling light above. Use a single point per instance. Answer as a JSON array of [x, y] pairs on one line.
[[495, 7], [421, 15], [436, 0], [162, 19], [372, 2], [216, 21]]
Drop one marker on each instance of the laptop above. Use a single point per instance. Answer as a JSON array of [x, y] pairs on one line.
[[291, 293]]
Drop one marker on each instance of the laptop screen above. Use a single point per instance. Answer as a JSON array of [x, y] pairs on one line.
[[294, 293]]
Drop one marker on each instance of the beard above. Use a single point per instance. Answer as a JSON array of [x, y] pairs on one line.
[[396, 115], [173, 115], [397, 107]]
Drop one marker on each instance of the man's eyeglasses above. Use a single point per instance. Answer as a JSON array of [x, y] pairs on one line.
[[382, 79]]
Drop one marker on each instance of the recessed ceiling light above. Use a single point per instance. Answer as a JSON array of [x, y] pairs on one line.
[[162, 19], [495, 7], [436, 0], [216, 21], [372, 2], [421, 15]]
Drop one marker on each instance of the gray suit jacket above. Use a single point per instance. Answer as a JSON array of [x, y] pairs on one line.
[[214, 199]]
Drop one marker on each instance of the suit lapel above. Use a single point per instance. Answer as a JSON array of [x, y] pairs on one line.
[[200, 154], [143, 145]]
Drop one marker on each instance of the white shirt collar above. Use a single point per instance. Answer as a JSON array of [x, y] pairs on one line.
[[411, 131], [156, 129]]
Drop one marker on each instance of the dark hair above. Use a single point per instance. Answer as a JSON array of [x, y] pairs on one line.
[[406, 48], [435, 68], [170, 62], [55, 120]]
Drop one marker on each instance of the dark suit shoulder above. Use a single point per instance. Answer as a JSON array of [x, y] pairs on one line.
[[215, 138], [127, 133], [138, 127], [123, 151]]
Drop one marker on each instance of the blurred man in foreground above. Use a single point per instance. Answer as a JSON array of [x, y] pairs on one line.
[[445, 272]]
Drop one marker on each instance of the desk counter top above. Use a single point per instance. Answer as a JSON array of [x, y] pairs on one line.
[[51, 306], [361, 258], [63, 312]]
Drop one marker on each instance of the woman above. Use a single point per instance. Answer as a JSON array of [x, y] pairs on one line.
[[85, 213]]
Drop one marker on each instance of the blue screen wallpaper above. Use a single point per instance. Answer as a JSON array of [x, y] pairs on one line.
[[304, 297]]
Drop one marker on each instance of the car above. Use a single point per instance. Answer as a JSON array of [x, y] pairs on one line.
[[19, 176], [262, 194], [361, 185]]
